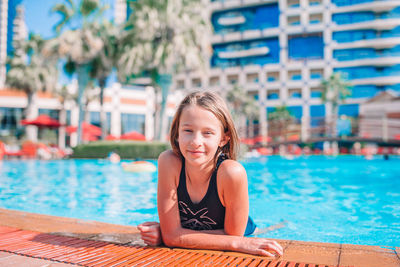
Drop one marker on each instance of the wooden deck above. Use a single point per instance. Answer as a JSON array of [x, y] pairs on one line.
[[28, 239]]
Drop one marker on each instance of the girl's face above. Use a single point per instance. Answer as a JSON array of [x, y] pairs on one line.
[[200, 135]]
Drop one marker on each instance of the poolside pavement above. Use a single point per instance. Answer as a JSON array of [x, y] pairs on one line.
[[296, 253]]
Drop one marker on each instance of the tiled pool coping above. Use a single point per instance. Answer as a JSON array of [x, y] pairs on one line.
[[295, 251]]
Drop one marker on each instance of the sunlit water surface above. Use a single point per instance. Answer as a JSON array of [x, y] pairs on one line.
[[346, 199]]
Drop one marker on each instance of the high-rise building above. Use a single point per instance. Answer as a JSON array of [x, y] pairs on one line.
[[11, 23], [280, 50]]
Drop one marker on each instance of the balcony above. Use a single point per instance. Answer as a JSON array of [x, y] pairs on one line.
[[226, 5], [377, 43], [230, 21], [378, 24], [381, 61], [379, 81], [258, 51], [375, 6]]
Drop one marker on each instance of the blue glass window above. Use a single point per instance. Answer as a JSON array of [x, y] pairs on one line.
[[271, 57], [95, 118], [132, 122], [317, 115], [258, 17], [272, 95], [302, 47], [316, 94], [349, 110], [295, 94]]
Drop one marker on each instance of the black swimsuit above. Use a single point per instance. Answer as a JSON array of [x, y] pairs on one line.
[[209, 213]]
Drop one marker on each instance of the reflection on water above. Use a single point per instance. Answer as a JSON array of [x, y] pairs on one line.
[[345, 199]]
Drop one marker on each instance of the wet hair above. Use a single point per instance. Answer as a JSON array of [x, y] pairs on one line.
[[215, 104]]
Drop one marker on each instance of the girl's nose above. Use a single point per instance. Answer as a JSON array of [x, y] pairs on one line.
[[196, 139]]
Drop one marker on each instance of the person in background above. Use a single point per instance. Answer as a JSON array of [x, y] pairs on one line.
[[113, 157]]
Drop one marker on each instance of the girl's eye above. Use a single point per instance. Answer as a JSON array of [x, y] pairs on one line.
[[208, 133], [187, 130]]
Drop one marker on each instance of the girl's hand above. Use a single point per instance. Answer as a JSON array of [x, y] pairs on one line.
[[260, 246], [150, 233]]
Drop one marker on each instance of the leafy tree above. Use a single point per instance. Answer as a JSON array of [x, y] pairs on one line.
[[165, 37], [79, 43], [104, 63], [279, 121], [243, 106], [335, 90], [30, 71]]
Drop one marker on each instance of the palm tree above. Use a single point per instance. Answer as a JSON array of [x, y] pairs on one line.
[[31, 72], [102, 65], [80, 44], [335, 90], [279, 120], [165, 37], [64, 95], [243, 106]]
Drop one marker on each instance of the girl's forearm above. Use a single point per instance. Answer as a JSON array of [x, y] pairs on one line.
[[212, 239]]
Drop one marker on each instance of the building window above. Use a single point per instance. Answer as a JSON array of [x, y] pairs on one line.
[[180, 84], [315, 2], [214, 81], [295, 75], [295, 93], [315, 18], [53, 113], [233, 79], [272, 94], [306, 46], [316, 93], [196, 82], [272, 76], [253, 94], [252, 78], [9, 121], [316, 74], [293, 20], [132, 122], [293, 3], [95, 119]]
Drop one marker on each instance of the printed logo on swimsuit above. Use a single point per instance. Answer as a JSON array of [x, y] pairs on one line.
[[195, 220]]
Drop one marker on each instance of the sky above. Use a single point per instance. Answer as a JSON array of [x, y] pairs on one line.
[[39, 19]]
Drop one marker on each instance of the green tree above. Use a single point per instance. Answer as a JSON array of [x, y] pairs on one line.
[[165, 37], [104, 63], [30, 72], [279, 121], [243, 107], [335, 90], [78, 44]]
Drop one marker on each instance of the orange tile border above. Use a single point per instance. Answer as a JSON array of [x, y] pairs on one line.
[[295, 252]]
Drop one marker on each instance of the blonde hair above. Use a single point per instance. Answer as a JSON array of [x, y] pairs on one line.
[[215, 104]]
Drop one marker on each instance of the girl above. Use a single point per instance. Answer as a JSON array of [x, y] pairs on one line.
[[202, 193]]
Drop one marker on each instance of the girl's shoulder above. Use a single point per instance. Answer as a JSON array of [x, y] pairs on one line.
[[169, 164], [231, 170]]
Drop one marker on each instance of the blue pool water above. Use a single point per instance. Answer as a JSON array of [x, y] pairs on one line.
[[344, 200]]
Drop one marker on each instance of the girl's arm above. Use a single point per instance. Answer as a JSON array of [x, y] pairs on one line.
[[174, 235]]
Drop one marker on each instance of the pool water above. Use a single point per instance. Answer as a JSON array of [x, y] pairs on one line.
[[345, 199]]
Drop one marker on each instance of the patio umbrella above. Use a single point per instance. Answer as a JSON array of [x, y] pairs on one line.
[[87, 128], [134, 135], [111, 137], [42, 120]]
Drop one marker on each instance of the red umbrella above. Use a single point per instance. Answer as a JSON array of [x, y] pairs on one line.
[[111, 137], [87, 129], [133, 136], [260, 139], [42, 120]]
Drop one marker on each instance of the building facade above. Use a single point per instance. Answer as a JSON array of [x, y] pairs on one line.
[[12, 26], [280, 50]]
